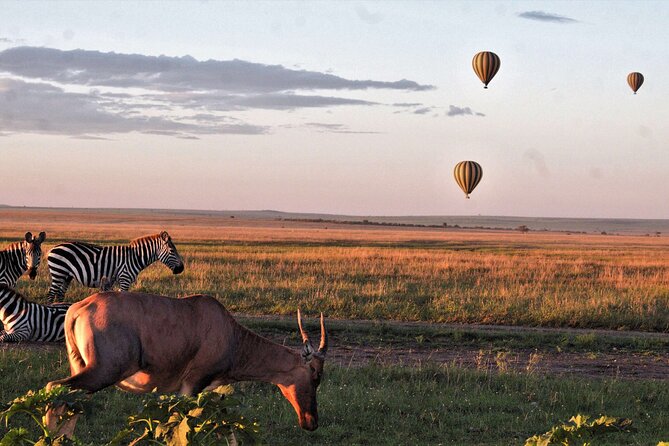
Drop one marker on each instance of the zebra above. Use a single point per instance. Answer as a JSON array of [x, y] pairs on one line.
[[20, 257], [30, 321], [89, 264]]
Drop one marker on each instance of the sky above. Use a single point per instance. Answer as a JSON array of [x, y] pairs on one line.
[[335, 107]]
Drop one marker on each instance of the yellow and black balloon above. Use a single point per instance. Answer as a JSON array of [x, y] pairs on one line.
[[468, 174], [635, 81], [486, 65]]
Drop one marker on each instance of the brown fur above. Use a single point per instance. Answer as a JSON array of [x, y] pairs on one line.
[[142, 342]]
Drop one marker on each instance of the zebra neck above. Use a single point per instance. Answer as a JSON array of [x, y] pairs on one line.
[[146, 252], [15, 255]]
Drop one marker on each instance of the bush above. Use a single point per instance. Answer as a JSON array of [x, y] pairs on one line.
[[578, 431], [206, 419]]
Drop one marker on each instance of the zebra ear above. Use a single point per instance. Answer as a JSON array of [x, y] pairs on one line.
[[41, 238], [164, 235], [29, 237]]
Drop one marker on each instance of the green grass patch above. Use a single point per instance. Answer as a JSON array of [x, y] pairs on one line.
[[393, 405]]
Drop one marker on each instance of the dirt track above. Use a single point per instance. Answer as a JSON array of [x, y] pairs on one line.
[[614, 364]]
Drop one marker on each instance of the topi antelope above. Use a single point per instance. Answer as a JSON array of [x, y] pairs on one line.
[[142, 342]]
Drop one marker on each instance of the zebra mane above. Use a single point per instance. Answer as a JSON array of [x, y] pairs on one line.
[[13, 246], [138, 240]]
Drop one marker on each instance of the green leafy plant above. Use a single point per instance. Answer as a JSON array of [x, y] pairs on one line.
[[34, 405], [579, 431], [172, 420]]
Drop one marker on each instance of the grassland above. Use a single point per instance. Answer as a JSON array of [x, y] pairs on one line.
[[369, 279], [430, 404], [272, 267]]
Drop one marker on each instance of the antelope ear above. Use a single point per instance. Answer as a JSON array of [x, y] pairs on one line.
[[164, 235], [29, 237], [42, 237]]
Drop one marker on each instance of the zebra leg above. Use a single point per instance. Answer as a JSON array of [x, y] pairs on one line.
[[59, 287], [125, 282], [15, 336]]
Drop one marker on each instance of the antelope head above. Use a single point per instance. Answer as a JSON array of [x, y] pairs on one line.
[[301, 388], [33, 248]]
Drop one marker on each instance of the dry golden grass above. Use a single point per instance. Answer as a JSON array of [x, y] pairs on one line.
[[271, 267]]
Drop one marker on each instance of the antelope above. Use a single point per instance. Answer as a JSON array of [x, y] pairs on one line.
[[140, 342]]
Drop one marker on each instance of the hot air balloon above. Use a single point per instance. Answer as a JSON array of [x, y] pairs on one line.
[[635, 80], [467, 174], [486, 64]]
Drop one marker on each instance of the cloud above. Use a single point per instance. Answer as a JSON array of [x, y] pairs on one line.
[[43, 108], [334, 128], [454, 110], [406, 104], [366, 16], [84, 93], [422, 111], [163, 73], [538, 161], [546, 17], [11, 41], [90, 137]]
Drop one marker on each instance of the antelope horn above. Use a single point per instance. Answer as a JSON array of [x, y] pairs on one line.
[[308, 349], [323, 347]]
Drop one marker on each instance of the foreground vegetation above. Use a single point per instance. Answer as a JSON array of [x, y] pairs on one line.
[[393, 405]]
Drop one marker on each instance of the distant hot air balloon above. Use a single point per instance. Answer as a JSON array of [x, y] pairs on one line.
[[486, 64], [635, 80], [467, 174]]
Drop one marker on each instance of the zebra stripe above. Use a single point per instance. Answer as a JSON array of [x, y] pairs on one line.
[[88, 264], [30, 321], [20, 257]]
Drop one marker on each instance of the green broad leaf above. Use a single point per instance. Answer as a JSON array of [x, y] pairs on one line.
[[15, 436]]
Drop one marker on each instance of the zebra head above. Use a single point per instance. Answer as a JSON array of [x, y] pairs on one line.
[[33, 248], [167, 253]]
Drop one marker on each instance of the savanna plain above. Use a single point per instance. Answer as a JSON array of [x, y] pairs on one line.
[[438, 335]]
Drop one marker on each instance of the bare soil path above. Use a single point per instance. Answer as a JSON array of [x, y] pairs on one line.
[[613, 363]]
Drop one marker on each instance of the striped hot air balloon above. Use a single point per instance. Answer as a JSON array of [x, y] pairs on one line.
[[467, 174], [635, 81], [486, 64]]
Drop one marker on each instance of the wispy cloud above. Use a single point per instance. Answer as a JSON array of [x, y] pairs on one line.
[[454, 110], [175, 96], [91, 137], [538, 161], [11, 41], [366, 16], [407, 104], [334, 128], [546, 17], [43, 108], [422, 110], [163, 73]]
